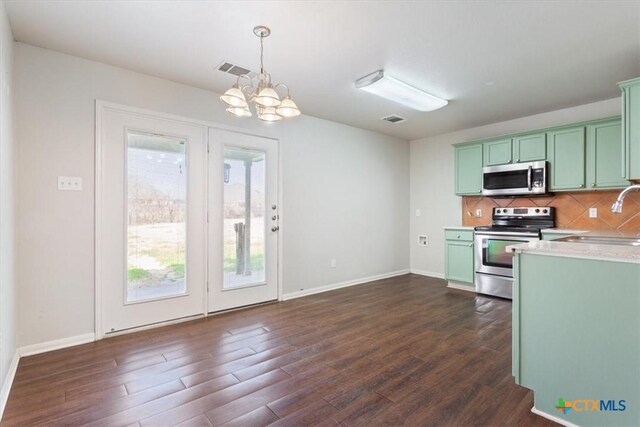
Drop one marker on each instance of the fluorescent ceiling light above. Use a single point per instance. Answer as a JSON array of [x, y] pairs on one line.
[[394, 90]]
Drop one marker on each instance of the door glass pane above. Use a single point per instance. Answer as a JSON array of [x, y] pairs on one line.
[[244, 217], [156, 216]]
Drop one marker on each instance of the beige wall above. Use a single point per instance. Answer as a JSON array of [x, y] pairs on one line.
[[432, 176], [8, 300], [346, 190]]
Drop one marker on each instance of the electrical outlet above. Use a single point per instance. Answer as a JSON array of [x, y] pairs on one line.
[[478, 213], [593, 212], [333, 263], [418, 212], [423, 240], [69, 183]]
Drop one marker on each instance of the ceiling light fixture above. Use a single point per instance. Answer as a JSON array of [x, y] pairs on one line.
[[260, 91], [387, 87]]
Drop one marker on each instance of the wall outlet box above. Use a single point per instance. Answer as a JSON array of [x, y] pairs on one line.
[[423, 240], [69, 183], [478, 213], [333, 263], [418, 212], [593, 212]]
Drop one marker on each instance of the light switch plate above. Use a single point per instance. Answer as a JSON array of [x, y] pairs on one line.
[[69, 183], [478, 213], [593, 212], [418, 212], [423, 240]]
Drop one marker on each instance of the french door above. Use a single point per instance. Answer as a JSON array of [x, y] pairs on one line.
[[243, 220], [151, 219]]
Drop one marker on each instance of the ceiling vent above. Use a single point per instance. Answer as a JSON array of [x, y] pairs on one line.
[[236, 70], [393, 119]]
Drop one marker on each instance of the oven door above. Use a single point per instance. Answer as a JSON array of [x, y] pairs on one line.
[[518, 179], [491, 251]]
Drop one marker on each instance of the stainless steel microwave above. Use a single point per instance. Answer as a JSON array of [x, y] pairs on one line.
[[515, 179]]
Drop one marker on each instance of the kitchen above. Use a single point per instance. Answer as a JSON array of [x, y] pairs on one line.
[[301, 213]]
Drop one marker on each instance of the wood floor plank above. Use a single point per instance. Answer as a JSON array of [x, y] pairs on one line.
[[400, 351], [258, 417]]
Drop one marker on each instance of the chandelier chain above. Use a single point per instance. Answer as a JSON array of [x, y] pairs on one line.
[[261, 54]]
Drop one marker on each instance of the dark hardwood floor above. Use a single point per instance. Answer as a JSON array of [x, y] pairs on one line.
[[400, 351]]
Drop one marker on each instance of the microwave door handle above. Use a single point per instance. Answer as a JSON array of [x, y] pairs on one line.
[[529, 178]]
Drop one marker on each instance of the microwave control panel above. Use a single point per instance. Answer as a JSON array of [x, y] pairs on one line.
[[537, 178]]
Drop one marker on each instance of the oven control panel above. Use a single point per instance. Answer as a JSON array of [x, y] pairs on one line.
[[538, 211]]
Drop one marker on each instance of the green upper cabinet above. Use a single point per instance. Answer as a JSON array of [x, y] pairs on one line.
[[631, 127], [566, 149], [497, 152], [468, 169], [605, 155], [530, 148]]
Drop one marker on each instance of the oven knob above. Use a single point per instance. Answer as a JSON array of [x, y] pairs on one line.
[[498, 211], [545, 211], [537, 210]]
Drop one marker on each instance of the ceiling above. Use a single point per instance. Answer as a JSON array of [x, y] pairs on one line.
[[494, 61]]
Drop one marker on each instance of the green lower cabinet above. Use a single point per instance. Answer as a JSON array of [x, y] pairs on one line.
[[567, 160], [576, 337], [631, 126], [605, 155], [530, 148], [497, 152], [468, 168], [459, 261]]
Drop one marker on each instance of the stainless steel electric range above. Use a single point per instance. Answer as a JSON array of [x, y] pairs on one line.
[[494, 265]]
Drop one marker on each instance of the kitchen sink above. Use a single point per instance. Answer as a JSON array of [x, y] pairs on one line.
[[601, 240]]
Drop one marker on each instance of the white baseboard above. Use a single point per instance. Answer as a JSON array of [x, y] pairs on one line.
[[427, 273], [460, 286], [319, 289], [8, 382], [43, 347], [30, 350], [553, 418]]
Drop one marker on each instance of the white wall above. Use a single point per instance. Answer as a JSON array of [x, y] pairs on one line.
[[8, 313], [432, 176], [346, 190]]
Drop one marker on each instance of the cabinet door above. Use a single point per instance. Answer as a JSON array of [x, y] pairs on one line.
[[497, 152], [566, 149], [459, 261], [605, 159], [631, 120], [469, 169], [530, 148]]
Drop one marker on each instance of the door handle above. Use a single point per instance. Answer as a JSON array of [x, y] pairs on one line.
[[275, 228], [529, 178]]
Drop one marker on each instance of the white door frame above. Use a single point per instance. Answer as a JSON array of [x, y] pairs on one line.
[[100, 108]]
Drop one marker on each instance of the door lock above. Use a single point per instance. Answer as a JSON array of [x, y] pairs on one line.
[[276, 228]]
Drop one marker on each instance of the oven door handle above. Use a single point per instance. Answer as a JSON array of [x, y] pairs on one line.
[[529, 171], [507, 234]]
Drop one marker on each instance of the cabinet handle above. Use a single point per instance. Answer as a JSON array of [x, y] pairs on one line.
[[458, 236], [517, 160], [470, 244], [581, 185], [593, 184]]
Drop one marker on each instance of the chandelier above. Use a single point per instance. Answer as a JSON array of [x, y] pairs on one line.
[[260, 91]]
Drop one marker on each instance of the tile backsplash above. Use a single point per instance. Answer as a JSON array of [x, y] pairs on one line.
[[572, 209]]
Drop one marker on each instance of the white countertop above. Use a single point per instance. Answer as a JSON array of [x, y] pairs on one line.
[[562, 231], [585, 250], [459, 227]]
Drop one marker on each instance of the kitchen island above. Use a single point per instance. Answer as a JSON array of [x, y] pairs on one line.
[[576, 330]]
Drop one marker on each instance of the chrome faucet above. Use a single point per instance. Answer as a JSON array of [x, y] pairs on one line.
[[617, 206]]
